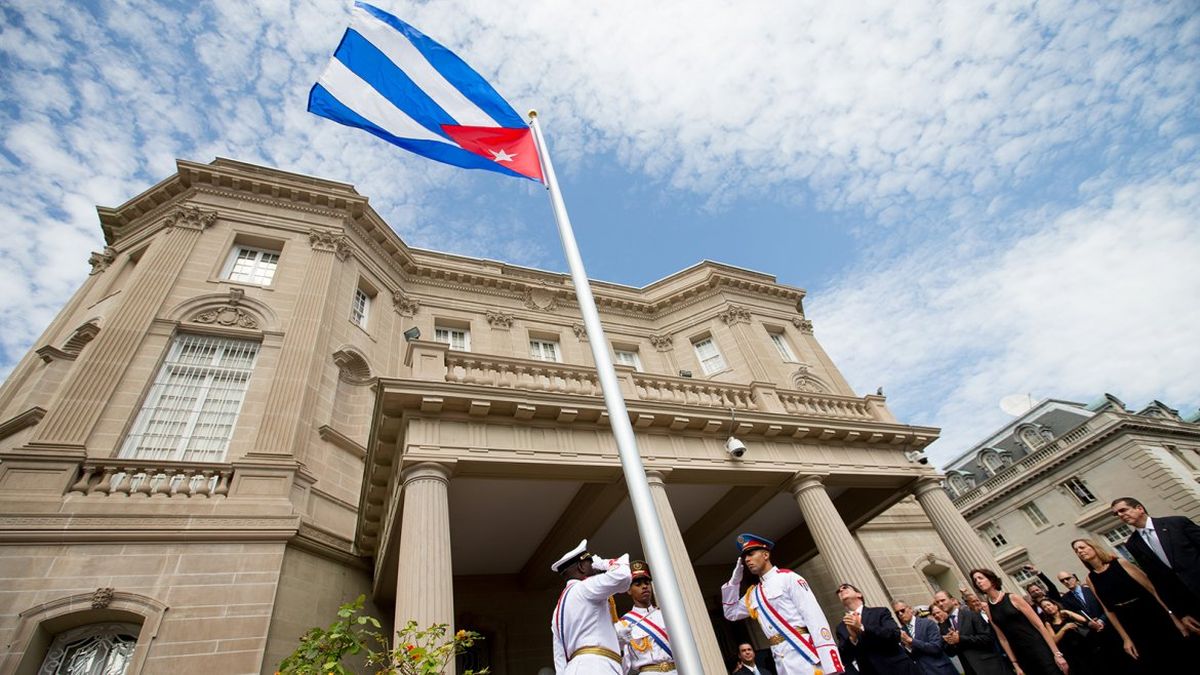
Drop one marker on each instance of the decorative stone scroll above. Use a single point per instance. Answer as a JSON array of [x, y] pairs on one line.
[[803, 324], [734, 314], [542, 299], [332, 242], [191, 218], [100, 260], [404, 305], [228, 316], [580, 331], [499, 320], [663, 343]]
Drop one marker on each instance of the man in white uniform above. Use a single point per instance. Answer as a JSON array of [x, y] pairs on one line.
[[647, 645], [786, 610], [585, 642]]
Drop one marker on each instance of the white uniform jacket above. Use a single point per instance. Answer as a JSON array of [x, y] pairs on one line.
[[641, 649], [790, 595], [582, 619]]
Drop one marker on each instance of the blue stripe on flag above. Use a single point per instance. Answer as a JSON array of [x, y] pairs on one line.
[[321, 102], [469, 82], [365, 60]]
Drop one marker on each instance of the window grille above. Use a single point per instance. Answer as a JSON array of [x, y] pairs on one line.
[[96, 649], [359, 308], [710, 359], [625, 357], [253, 266], [459, 339], [544, 350], [190, 412]]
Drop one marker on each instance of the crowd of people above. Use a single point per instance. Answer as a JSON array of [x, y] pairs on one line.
[[1140, 616]]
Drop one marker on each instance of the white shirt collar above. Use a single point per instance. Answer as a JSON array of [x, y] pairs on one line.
[[1149, 525]]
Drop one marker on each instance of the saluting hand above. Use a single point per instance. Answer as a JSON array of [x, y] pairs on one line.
[[738, 567]]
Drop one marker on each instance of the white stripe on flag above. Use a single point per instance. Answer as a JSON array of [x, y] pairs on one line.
[[357, 95], [414, 64]]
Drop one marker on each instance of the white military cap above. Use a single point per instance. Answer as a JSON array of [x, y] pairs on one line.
[[576, 554]]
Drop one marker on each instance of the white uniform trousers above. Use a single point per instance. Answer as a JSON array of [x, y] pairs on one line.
[[593, 664]]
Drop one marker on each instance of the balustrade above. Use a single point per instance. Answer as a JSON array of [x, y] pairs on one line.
[[825, 405], [149, 479]]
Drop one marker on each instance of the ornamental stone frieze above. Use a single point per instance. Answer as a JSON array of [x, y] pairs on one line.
[[332, 242], [803, 324], [542, 299], [191, 218], [499, 320], [228, 316], [404, 305], [100, 260], [663, 343], [734, 315]]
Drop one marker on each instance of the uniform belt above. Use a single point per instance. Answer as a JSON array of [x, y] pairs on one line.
[[598, 651], [664, 667], [778, 639]]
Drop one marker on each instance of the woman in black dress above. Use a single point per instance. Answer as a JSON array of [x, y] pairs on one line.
[[1024, 637], [1069, 630], [1151, 633]]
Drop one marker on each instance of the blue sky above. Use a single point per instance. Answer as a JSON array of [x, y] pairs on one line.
[[981, 198]]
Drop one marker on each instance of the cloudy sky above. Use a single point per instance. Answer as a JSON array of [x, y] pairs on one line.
[[982, 199]]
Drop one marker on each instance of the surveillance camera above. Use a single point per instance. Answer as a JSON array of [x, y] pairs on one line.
[[916, 456], [735, 448]]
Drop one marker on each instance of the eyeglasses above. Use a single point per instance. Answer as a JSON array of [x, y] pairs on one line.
[[1064, 580]]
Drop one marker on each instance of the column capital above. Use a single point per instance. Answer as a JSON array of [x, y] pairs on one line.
[[803, 482], [926, 484], [191, 218], [657, 475], [330, 242], [427, 471]]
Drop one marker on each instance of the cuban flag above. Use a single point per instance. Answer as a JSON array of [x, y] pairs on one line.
[[388, 78]]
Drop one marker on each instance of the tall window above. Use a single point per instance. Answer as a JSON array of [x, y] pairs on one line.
[[710, 359], [190, 412], [459, 339], [1035, 515], [994, 535], [360, 308], [1079, 490], [1023, 577], [626, 357], [781, 344], [252, 265], [544, 350], [1117, 537]]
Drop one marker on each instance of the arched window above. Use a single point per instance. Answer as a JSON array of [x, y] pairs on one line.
[[957, 483], [1032, 437], [992, 461], [94, 649]]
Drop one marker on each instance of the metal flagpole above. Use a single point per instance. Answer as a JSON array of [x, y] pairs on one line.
[[683, 641]]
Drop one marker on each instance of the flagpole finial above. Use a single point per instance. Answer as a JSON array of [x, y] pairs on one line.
[[532, 113]]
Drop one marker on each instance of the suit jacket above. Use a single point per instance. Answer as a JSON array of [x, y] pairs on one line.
[[1179, 584], [928, 649], [976, 648], [765, 664], [878, 651]]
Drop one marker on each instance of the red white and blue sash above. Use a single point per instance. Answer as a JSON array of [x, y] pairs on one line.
[[789, 633], [655, 631]]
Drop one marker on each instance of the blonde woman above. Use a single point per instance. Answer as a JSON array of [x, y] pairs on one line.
[[1152, 635]]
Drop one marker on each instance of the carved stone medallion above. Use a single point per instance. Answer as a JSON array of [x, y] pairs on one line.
[[540, 298]]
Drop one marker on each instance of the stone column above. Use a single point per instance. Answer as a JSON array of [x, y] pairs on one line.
[[289, 402], [689, 587], [842, 553], [967, 549], [98, 371], [424, 579]]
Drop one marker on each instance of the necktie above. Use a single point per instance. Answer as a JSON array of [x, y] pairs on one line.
[[1079, 593], [954, 621], [1151, 538]]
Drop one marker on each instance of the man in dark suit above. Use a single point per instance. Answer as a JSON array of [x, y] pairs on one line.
[[922, 640], [751, 663], [970, 638], [1168, 550], [869, 639]]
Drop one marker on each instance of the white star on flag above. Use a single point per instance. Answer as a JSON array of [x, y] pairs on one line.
[[502, 156]]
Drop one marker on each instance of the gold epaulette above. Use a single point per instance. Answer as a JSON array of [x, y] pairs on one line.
[[749, 607]]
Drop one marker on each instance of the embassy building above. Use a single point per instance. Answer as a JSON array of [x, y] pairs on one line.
[[261, 403]]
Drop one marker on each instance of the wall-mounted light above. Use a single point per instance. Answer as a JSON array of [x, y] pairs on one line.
[[411, 334], [685, 373]]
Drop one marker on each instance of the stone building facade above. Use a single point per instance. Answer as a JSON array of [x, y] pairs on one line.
[[1048, 477], [262, 402]]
